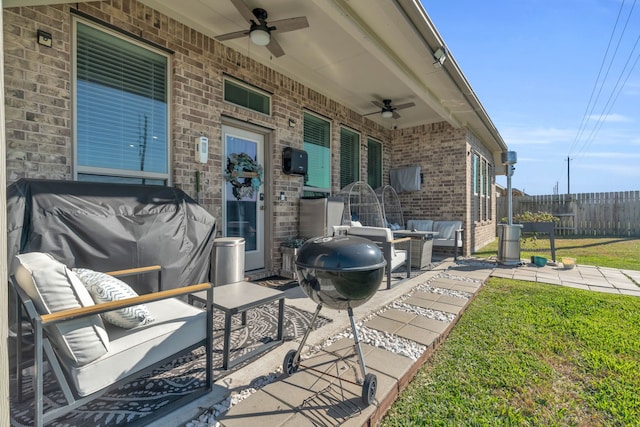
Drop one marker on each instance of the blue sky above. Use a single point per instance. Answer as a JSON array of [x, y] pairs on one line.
[[538, 68]]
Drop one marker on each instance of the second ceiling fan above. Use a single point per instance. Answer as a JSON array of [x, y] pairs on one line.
[[387, 110], [260, 31]]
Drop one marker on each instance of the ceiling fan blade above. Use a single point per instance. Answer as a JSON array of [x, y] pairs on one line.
[[231, 36], [378, 104], [403, 106], [244, 10], [290, 24], [396, 115], [275, 48]]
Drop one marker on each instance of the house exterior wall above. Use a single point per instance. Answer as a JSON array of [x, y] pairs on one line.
[[39, 127], [483, 226], [441, 152]]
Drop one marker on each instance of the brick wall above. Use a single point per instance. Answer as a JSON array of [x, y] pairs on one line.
[[484, 230], [442, 156], [39, 116]]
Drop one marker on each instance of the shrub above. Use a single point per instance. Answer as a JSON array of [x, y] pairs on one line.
[[532, 217]]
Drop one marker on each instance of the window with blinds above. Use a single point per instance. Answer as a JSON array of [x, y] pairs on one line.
[[374, 163], [317, 144], [247, 97], [121, 109], [349, 157]]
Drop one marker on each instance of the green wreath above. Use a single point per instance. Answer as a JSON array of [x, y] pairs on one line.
[[244, 175]]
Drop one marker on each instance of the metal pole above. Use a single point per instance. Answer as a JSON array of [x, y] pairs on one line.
[[509, 196], [568, 176]]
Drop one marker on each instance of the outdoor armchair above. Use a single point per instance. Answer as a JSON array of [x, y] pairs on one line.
[[87, 355]]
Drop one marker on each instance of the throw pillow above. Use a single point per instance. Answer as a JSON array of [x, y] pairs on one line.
[[53, 287], [105, 288]]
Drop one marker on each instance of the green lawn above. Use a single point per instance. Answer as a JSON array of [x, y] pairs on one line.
[[615, 252], [530, 354]]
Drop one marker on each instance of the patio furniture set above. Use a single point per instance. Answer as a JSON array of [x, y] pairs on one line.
[[97, 332]]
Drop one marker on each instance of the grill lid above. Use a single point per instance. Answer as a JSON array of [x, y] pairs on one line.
[[340, 253]]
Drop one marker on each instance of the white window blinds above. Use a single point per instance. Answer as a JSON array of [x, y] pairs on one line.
[[121, 106]]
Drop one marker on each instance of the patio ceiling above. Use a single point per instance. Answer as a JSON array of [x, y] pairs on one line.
[[354, 51]]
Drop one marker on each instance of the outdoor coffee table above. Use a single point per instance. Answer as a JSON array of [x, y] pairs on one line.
[[421, 246], [237, 298]]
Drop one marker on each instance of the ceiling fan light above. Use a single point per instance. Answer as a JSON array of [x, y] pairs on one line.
[[260, 37], [386, 114]]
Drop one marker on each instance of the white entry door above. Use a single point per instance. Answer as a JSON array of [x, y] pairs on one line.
[[243, 194]]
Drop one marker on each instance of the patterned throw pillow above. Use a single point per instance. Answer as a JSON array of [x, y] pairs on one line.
[[105, 288]]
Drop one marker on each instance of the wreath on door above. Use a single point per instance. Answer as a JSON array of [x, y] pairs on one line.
[[244, 175]]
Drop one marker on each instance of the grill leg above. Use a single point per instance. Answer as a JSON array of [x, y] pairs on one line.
[[296, 359], [356, 339]]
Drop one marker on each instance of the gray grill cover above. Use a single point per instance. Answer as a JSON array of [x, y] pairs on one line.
[[108, 227]]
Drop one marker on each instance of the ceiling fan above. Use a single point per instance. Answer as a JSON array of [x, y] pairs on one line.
[[260, 31], [387, 110]]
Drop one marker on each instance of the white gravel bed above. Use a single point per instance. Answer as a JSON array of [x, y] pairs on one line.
[[425, 312], [443, 291]]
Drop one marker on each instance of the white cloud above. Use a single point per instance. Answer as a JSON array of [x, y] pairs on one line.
[[612, 155], [630, 171], [537, 136], [612, 118]]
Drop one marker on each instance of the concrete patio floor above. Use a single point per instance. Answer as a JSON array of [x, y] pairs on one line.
[[313, 398]]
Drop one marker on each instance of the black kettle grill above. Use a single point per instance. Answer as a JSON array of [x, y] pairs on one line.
[[339, 272]]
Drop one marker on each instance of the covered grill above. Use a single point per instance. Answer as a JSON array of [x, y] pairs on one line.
[[339, 272]]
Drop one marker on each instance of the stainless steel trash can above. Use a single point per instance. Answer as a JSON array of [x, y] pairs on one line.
[[227, 260], [509, 244]]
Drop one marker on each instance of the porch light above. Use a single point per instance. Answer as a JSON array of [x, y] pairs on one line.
[[440, 55], [387, 114], [260, 35]]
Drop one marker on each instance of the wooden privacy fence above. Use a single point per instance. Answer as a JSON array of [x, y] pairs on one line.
[[585, 214]]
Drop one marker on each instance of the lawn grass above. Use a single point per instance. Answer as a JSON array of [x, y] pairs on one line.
[[614, 252], [531, 354]]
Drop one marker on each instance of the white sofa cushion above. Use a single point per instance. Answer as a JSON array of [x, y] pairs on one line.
[[447, 229], [105, 288], [177, 325], [381, 234], [420, 224], [53, 287]]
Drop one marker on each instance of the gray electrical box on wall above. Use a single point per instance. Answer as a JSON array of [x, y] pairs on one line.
[[294, 161]]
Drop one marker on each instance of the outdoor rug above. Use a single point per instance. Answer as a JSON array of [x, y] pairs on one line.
[[144, 395], [277, 282]]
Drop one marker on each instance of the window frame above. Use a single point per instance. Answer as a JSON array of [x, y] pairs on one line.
[[109, 174]]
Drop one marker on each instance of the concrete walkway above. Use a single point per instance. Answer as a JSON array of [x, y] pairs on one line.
[[421, 310]]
